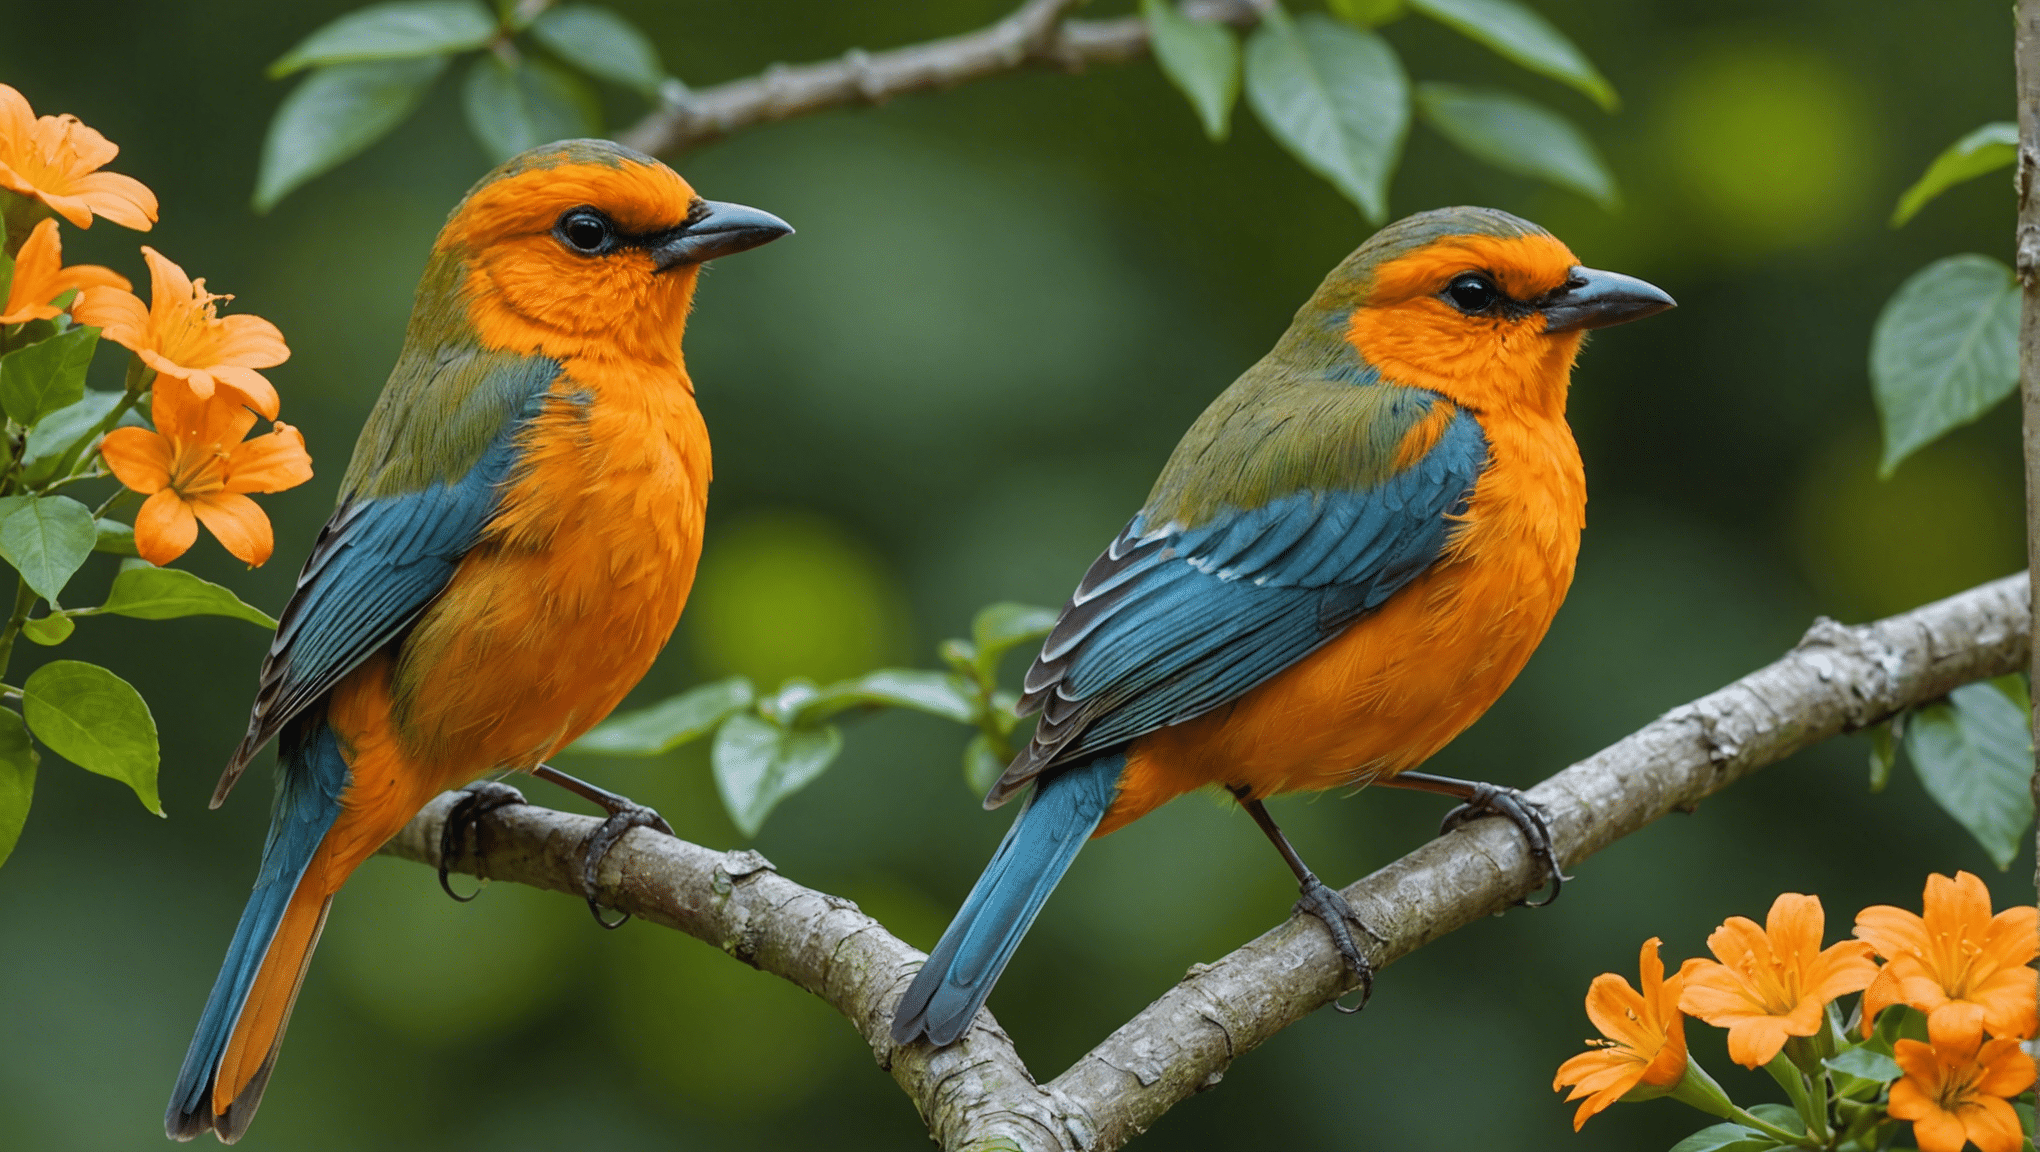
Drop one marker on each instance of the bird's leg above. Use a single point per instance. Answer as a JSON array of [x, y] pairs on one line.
[[1320, 900], [476, 800], [624, 815], [1492, 800]]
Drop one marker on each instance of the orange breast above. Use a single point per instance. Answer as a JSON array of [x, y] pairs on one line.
[[577, 583], [1400, 684]]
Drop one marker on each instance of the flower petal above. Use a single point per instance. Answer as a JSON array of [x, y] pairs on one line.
[[118, 313], [250, 341], [1755, 1040], [269, 463], [254, 388], [165, 528], [139, 458], [1992, 1125], [1938, 1131], [239, 523], [122, 199]]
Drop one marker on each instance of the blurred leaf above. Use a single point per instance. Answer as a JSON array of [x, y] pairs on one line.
[[982, 764], [1944, 350], [1336, 98], [43, 377], [1726, 1138], [1783, 1115], [601, 43], [999, 628], [145, 592], [49, 631], [391, 32], [114, 537], [95, 720], [959, 654], [1367, 13], [670, 723], [936, 693], [758, 764], [1201, 59], [2015, 689], [1518, 135], [17, 779], [335, 113], [46, 538], [1974, 753], [52, 439], [1983, 151], [1521, 35], [1864, 1064], [512, 107], [6, 264], [782, 706], [1883, 756]]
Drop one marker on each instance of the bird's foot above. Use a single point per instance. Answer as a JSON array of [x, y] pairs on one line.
[[1329, 907], [1528, 817], [624, 815], [476, 801]]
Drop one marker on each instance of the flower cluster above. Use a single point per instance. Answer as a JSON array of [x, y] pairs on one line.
[[198, 370], [1937, 1042]]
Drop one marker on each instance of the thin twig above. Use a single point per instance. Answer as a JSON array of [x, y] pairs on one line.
[[979, 1091], [2026, 250]]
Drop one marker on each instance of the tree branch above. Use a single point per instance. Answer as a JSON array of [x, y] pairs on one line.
[[1036, 34], [2026, 252], [979, 1091]]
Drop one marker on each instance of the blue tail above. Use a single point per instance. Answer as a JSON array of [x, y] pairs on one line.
[[959, 974], [310, 777]]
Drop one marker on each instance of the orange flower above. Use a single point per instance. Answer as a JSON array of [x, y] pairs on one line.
[[1954, 1093], [1772, 982], [40, 277], [195, 467], [1963, 967], [1645, 1041], [181, 334], [56, 159]]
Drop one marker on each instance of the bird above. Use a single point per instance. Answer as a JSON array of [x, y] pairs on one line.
[[1343, 564], [515, 537]]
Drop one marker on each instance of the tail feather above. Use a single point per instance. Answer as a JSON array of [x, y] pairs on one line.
[[230, 1058], [967, 961]]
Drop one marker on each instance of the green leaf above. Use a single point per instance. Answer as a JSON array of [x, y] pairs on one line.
[[95, 720], [1983, 151], [936, 693], [512, 107], [335, 113], [1522, 36], [45, 376], [1726, 1138], [6, 264], [145, 592], [18, 761], [1783, 1115], [1945, 349], [1864, 1064], [49, 631], [1367, 13], [1201, 59], [114, 537], [53, 438], [758, 764], [46, 538], [392, 32], [603, 44], [1518, 135], [1336, 98], [671, 723], [999, 628], [782, 706], [1883, 756], [1974, 753], [982, 764]]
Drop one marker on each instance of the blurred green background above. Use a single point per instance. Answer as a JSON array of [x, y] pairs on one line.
[[1004, 305]]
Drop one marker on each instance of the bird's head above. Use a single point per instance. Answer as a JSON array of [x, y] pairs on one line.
[[1483, 307], [582, 245]]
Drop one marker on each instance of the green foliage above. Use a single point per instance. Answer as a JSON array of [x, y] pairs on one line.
[[1367, 13], [1727, 1137], [95, 720], [1519, 34], [336, 112], [47, 375], [1518, 135], [1202, 59], [758, 763], [1974, 754], [146, 592], [1336, 98], [667, 725], [1944, 350], [602, 44], [58, 435], [393, 32], [46, 539], [18, 761], [1983, 151], [49, 631], [515, 106]]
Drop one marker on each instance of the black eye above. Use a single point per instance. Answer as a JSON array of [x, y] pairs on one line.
[[586, 231], [1472, 292]]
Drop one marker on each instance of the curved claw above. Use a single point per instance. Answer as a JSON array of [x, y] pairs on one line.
[[1329, 907], [477, 800], [597, 847], [1528, 817]]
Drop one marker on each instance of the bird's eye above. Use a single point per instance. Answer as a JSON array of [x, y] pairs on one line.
[[585, 231], [1471, 292]]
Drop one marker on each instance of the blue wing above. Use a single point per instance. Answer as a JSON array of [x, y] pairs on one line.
[[1170, 623], [379, 561]]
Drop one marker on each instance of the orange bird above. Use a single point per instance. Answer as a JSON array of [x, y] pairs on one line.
[[1345, 562], [514, 540]]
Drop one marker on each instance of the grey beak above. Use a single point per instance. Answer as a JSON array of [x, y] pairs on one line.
[[1594, 299], [727, 228]]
